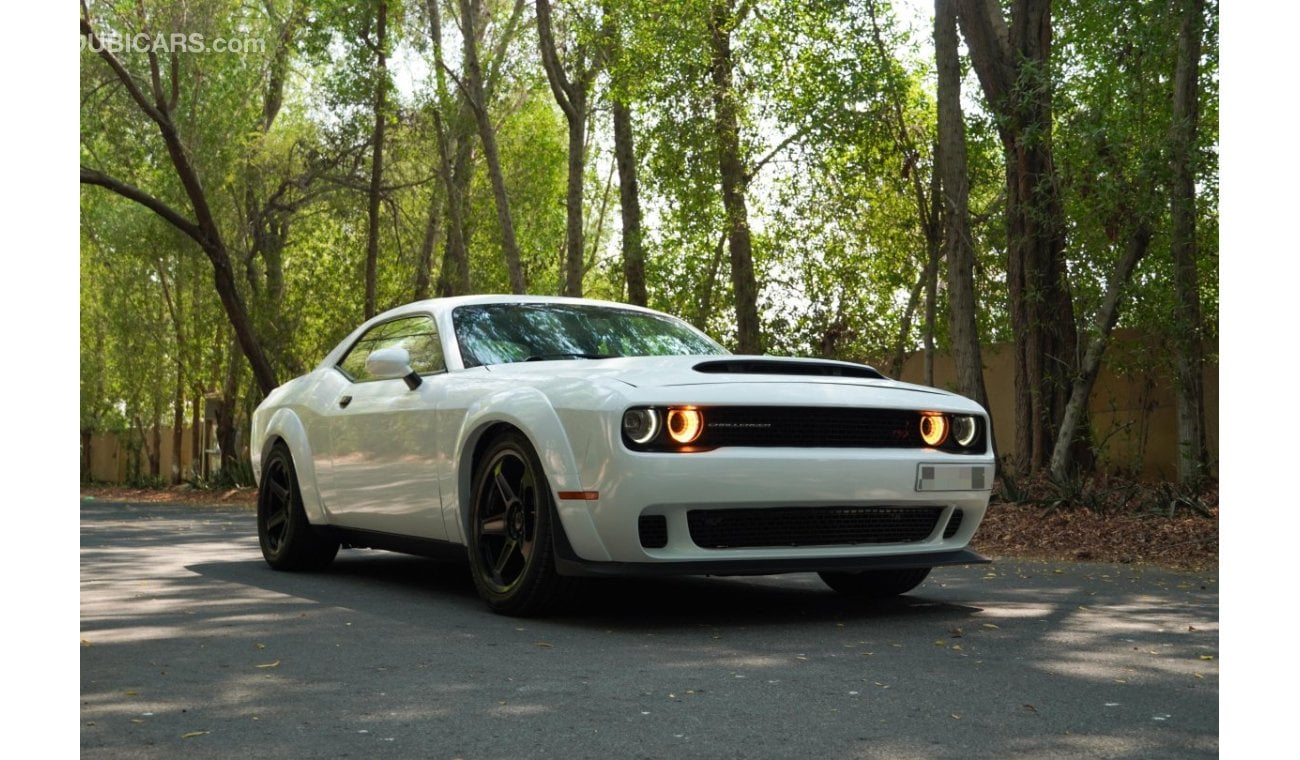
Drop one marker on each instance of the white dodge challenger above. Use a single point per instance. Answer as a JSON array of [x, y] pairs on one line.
[[552, 438]]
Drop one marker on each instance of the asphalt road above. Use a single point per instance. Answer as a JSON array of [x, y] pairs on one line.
[[191, 646]]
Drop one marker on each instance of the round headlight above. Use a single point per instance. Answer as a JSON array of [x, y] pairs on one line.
[[685, 425], [640, 425], [964, 429], [934, 428]]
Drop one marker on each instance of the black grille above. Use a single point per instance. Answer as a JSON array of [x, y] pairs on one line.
[[654, 531], [810, 526], [810, 426], [954, 524]]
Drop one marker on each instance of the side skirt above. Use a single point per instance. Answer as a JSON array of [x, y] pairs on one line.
[[352, 538]]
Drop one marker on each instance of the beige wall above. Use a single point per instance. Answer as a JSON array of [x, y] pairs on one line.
[[109, 456], [1133, 413]]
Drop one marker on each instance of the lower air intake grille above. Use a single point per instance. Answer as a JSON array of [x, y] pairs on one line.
[[810, 526], [654, 531], [954, 524]]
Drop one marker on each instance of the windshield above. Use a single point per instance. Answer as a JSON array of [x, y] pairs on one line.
[[516, 332]]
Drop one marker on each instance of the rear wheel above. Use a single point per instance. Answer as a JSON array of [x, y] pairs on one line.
[[289, 542], [876, 584], [512, 550]]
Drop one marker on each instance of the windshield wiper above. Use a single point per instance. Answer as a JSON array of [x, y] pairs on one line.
[[549, 357]]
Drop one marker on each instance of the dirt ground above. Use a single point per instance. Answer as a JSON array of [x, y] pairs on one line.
[[1186, 541]]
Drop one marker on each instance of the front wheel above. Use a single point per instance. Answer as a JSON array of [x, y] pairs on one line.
[[876, 584], [512, 551], [289, 542]]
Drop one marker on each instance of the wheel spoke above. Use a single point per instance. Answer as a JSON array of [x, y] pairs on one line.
[[503, 559], [493, 526], [503, 487], [280, 490]]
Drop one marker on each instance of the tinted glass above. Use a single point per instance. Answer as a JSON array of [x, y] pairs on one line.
[[503, 333], [417, 335]]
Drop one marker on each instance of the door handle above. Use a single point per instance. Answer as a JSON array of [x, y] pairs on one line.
[[344, 401]]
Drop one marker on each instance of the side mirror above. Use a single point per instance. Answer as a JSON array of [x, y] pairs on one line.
[[388, 363]]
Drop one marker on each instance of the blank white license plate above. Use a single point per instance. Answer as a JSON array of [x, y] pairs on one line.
[[954, 477]]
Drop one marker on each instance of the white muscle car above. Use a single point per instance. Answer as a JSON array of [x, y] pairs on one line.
[[552, 438]]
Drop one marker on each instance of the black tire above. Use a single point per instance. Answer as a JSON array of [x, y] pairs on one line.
[[512, 525], [289, 541], [876, 584]]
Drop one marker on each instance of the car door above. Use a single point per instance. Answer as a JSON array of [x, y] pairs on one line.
[[384, 474]]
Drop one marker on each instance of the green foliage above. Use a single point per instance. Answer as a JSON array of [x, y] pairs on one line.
[[1114, 107], [837, 122]]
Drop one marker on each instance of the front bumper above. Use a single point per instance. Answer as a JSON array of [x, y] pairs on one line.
[[602, 536]]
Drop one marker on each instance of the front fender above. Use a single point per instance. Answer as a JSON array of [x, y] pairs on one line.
[[286, 426], [531, 412]]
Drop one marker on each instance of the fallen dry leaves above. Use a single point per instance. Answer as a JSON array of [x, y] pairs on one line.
[[1184, 541]]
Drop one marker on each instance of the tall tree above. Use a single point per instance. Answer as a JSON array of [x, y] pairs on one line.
[[470, 12], [1189, 360], [453, 146], [622, 74], [572, 94], [158, 100], [629, 196], [1012, 63], [723, 18], [379, 44]]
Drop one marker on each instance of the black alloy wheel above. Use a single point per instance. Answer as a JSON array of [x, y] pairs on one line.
[[512, 553], [288, 539]]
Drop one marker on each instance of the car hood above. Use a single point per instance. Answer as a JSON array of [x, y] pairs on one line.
[[666, 372]]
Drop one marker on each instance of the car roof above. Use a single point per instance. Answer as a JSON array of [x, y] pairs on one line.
[[448, 303]]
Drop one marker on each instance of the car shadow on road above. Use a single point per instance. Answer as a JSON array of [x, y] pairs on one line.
[[416, 589]]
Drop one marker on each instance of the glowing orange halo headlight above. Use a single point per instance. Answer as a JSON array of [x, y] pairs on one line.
[[684, 425], [934, 428]]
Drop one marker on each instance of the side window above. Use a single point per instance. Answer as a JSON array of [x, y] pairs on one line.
[[418, 335]]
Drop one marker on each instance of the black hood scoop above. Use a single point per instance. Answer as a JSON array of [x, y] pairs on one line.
[[787, 367]]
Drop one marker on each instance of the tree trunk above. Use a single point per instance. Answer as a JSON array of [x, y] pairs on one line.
[[453, 278], [575, 246], [226, 432], [629, 197], [174, 312], [458, 175], [470, 12], [950, 159], [1013, 68], [376, 159], [1188, 357], [732, 169], [196, 435], [1081, 388], [429, 242], [933, 245], [905, 327], [155, 452], [178, 425], [87, 455], [571, 95]]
